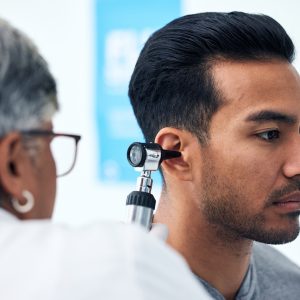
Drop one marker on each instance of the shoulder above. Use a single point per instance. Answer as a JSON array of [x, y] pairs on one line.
[[107, 260], [273, 259], [274, 269]]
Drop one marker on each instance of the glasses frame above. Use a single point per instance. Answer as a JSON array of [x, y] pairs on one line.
[[45, 133]]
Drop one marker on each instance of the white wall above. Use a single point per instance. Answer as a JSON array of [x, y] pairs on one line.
[[63, 30]]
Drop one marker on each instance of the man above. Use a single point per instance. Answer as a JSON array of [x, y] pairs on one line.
[[221, 89], [41, 260]]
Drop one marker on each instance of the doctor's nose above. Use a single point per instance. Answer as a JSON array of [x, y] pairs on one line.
[[291, 167]]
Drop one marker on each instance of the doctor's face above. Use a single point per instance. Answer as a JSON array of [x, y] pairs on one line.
[[250, 169], [43, 174]]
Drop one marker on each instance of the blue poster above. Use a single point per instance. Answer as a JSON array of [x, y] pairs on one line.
[[122, 27]]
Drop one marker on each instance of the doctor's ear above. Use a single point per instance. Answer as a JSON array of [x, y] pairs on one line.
[[12, 164], [177, 140]]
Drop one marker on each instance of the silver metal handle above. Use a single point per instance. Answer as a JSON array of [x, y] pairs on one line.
[[140, 215]]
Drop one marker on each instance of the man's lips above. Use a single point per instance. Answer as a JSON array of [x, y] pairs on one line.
[[290, 202]]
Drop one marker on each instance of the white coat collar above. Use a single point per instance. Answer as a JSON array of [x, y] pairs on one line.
[[7, 216]]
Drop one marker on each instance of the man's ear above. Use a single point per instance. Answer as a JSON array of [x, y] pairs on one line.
[[12, 165], [179, 140]]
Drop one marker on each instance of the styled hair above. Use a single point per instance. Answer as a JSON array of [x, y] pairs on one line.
[[27, 89], [172, 83]]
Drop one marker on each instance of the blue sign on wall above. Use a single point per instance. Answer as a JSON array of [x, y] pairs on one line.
[[122, 27]]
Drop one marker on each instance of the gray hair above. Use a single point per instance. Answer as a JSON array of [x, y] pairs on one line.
[[27, 88]]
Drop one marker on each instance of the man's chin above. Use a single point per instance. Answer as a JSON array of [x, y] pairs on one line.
[[278, 237]]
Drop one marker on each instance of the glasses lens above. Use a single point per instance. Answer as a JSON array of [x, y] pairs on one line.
[[64, 152]]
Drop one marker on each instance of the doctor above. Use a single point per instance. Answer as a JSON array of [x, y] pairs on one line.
[[39, 260]]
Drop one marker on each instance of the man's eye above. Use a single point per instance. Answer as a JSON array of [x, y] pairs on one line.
[[269, 135]]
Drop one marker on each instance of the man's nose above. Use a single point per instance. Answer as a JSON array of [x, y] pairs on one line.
[[291, 167]]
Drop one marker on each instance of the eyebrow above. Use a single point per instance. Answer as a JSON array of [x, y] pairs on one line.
[[270, 115]]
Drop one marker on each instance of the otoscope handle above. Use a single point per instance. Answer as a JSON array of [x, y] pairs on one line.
[[141, 206]]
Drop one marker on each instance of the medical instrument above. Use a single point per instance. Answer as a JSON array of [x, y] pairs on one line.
[[146, 158]]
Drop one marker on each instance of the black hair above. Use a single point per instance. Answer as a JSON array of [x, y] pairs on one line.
[[172, 84]]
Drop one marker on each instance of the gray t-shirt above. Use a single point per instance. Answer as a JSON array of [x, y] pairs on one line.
[[271, 276]]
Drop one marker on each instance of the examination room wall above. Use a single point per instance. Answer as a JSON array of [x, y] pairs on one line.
[[65, 32]]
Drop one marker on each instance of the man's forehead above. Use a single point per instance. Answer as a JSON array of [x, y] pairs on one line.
[[254, 82], [252, 73], [256, 88]]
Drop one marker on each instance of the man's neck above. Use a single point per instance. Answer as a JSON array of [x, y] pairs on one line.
[[212, 253]]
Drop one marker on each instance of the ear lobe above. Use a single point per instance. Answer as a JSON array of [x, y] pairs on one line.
[[177, 140], [11, 164]]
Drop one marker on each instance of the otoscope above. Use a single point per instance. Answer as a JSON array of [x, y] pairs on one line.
[[146, 158]]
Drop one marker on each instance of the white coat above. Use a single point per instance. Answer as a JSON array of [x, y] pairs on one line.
[[41, 260]]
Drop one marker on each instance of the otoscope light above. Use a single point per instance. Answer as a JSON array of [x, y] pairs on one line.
[[136, 154]]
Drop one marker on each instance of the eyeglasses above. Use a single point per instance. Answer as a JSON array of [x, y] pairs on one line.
[[63, 147]]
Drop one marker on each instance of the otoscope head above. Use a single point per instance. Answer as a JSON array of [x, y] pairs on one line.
[[148, 156]]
